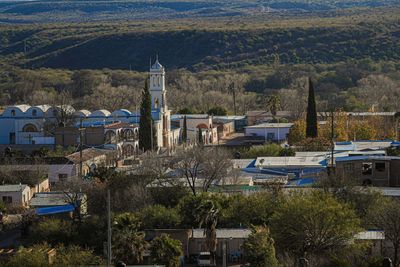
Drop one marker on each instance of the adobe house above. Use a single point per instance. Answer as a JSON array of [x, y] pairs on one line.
[[381, 171]]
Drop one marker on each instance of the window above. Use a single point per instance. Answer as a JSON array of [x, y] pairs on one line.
[[13, 113], [62, 177], [366, 168], [348, 167], [34, 113], [380, 166], [29, 128], [7, 199]]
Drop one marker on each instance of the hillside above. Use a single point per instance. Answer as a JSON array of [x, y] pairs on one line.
[[100, 10], [199, 45]]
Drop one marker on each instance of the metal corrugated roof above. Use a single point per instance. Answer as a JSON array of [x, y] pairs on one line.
[[267, 162], [224, 233], [12, 187], [271, 125], [353, 158]]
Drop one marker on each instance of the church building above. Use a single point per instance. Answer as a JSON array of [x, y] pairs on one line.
[[24, 126], [161, 115]]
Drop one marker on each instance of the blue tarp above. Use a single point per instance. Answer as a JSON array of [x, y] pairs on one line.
[[297, 172], [54, 210]]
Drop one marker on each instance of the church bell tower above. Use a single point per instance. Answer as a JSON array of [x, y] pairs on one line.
[[159, 101], [157, 86]]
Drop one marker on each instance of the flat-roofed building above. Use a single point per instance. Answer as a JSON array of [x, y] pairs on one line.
[[15, 195], [276, 132], [370, 170]]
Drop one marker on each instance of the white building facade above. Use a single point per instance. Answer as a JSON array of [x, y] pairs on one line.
[[276, 132], [160, 112]]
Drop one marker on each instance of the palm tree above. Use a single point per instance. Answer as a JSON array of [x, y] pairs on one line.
[[207, 216], [129, 244], [274, 105]]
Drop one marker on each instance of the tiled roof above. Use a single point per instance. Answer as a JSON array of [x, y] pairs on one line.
[[88, 154], [118, 125]]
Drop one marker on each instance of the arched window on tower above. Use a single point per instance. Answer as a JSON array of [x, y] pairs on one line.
[[156, 103], [159, 80]]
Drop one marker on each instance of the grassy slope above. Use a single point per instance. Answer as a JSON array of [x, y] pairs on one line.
[[199, 44]]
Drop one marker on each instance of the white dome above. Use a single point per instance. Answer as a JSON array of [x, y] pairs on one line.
[[15, 111], [82, 113], [100, 113], [121, 113]]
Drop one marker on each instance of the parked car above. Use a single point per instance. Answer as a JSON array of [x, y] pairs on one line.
[[204, 259]]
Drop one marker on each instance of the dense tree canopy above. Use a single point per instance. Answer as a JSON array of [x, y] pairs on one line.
[[313, 223]]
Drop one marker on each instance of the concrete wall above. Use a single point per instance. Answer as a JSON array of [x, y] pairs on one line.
[[232, 246], [43, 186], [225, 129], [192, 123]]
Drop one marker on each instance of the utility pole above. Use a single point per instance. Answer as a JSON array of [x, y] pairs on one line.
[[224, 254], [151, 133], [332, 139], [109, 255], [232, 88], [80, 150]]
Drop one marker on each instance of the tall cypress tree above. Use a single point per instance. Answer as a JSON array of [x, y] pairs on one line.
[[312, 125], [200, 136], [146, 121], [184, 130]]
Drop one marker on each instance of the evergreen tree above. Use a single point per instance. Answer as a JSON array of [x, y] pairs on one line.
[[259, 248], [200, 136], [312, 126], [184, 130], [166, 251], [146, 121]]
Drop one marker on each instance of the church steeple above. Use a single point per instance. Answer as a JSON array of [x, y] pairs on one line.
[[159, 103], [157, 85]]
